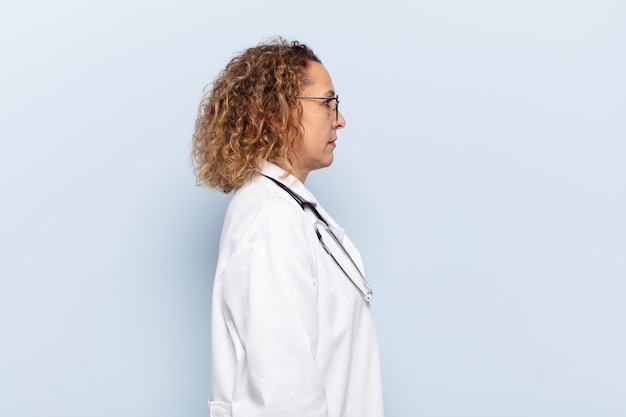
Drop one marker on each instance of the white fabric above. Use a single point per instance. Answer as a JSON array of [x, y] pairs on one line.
[[290, 335]]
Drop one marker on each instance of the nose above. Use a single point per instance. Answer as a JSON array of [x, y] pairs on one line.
[[339, 122]]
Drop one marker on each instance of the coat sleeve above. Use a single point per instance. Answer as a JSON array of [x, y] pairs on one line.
[[269, 296]]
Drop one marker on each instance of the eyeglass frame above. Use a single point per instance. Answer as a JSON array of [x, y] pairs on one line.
[[328, 99]]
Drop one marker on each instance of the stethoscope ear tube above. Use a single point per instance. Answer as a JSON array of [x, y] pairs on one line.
[[367, 294]]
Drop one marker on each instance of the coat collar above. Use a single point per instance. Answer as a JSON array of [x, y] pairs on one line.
[[294, 184]]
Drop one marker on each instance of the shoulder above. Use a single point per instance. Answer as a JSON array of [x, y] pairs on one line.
[[261, 210], [261, 197]]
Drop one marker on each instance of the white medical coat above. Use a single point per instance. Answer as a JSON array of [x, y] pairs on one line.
[[290, 337]]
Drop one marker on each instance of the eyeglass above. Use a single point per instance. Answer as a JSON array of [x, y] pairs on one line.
[[327, 101], [322, 225]]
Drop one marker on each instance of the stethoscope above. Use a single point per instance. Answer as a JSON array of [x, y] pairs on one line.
[[321, 221]]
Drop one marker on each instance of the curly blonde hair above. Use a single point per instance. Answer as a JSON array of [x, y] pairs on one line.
[[251, 114]]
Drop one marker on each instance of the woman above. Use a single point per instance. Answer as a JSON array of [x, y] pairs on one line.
[[292, 332]]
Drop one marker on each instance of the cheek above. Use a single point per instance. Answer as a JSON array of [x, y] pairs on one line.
[[317, 130], [316, 122]]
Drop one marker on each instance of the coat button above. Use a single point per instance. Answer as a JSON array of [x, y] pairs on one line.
[[218, 412]]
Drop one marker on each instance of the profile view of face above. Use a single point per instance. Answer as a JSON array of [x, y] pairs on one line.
[[320, 120]]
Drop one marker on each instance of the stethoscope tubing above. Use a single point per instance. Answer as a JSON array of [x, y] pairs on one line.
[[367, 294]]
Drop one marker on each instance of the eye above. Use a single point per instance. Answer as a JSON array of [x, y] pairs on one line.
[[327, 101]]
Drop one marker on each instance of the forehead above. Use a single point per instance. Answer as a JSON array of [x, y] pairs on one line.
[[318, 79]]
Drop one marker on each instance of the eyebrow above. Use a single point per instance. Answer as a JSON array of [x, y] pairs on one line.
[[328, 94]]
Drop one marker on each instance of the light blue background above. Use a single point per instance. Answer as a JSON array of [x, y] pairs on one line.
[[481, 173]]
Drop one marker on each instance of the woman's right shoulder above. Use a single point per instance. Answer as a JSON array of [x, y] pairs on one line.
[[260, 211], [261, 206], [259, 193]]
